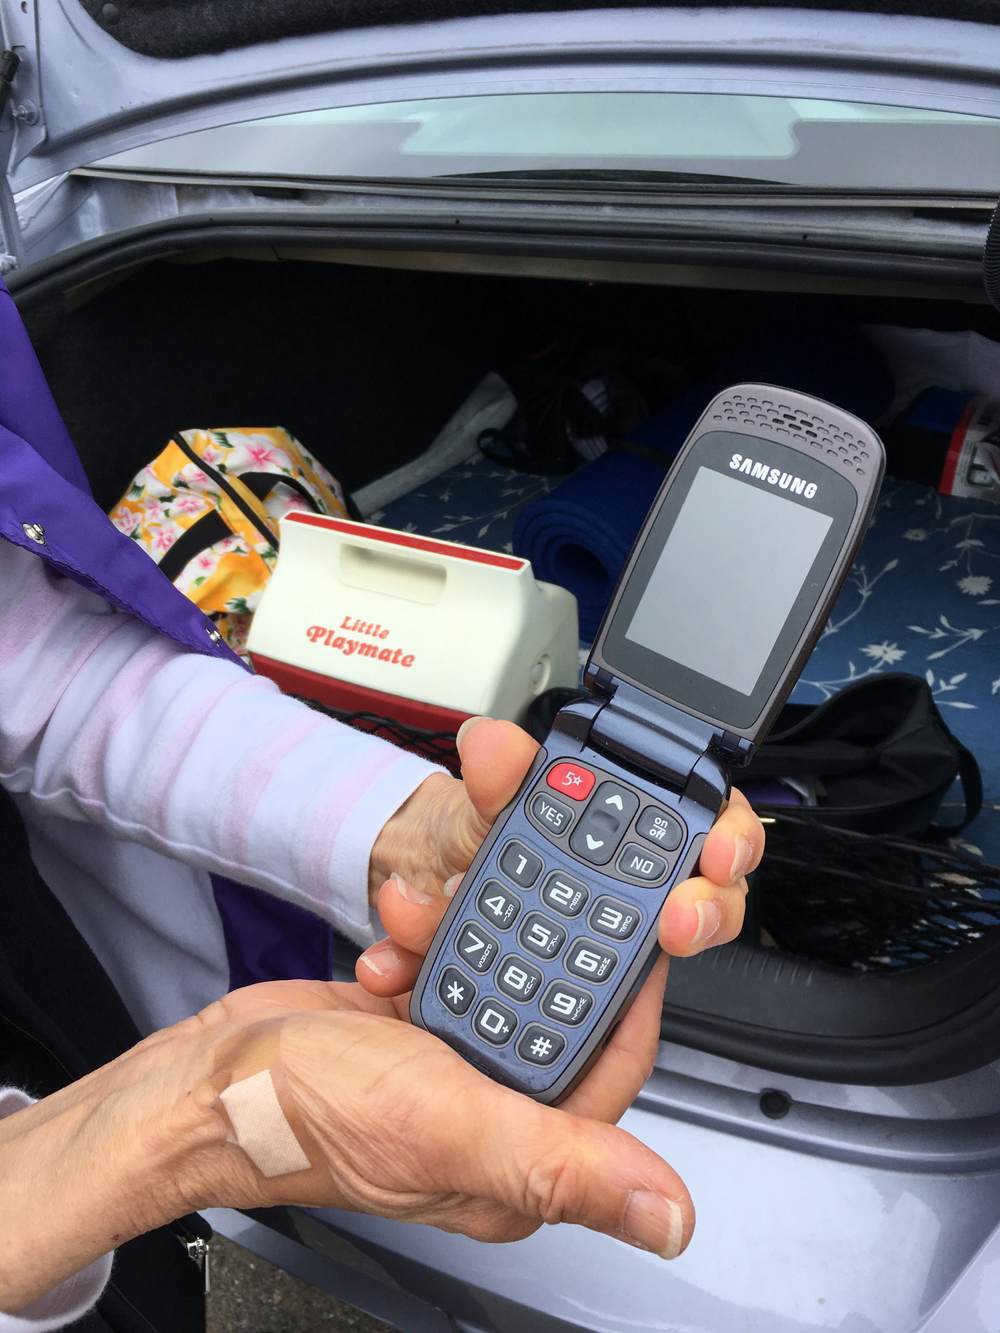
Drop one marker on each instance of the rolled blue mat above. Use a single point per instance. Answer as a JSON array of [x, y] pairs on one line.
[[581, 534]]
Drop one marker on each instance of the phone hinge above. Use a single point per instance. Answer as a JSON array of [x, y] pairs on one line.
[[677, 749]]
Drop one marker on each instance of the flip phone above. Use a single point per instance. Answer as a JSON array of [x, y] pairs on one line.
[[554, 927]]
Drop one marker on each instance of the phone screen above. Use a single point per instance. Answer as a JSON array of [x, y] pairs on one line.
[[727, 578]]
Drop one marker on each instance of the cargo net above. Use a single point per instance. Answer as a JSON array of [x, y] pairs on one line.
[[869, 903], [851, 900], [437, 746]]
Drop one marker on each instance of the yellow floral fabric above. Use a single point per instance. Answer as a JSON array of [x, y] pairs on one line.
[[173, 493]]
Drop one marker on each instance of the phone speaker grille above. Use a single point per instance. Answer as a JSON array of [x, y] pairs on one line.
[[837, 445]]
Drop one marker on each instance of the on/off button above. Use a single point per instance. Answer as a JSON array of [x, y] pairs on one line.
[[571, 780]]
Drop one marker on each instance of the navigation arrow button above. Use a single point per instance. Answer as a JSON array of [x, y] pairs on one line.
[[594, 843], [616, 801]]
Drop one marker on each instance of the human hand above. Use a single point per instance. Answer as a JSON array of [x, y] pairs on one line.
[[391, 1120], [433, 838], [395, 1123]]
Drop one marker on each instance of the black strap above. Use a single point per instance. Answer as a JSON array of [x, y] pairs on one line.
[[209, 529], [816, 759], [262, 484], [971, 780]]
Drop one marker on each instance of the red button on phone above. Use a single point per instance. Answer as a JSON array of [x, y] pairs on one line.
[[573, 781]]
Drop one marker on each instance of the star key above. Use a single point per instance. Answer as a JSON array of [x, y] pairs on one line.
[[455, 991]]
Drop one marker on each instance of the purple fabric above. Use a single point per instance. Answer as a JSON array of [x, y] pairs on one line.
[[268, 939], [42, 481]]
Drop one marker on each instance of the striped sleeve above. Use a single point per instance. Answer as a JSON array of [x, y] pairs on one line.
[[71, 1299], [103, 720]]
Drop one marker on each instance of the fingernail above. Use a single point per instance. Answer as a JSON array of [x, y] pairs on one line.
[[709, 920], [654, 1223], [410, 892], [380, 959], [450, 887], [742, 858], [465, 728]]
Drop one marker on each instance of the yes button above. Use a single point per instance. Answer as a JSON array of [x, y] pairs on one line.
[[549, 814]]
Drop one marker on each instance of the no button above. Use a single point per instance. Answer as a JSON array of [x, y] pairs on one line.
[[638, 863]]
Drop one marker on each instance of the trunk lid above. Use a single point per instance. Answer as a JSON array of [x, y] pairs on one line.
[[97, 80]]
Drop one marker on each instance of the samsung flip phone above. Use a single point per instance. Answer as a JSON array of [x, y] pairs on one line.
[[554, 927]]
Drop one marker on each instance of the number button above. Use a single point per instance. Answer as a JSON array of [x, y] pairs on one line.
[[520, 864], [573, 780], [541, 936], [591, 960], [455, 991], [566, 1003], [518, 978], [477, 948], [659, 827], [550, 815], [612, 918], [539, 1046], [498, 905], [640, 864], [564, 894], [494, 1022]]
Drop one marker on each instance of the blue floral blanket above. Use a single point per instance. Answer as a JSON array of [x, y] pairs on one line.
[[923, 597]]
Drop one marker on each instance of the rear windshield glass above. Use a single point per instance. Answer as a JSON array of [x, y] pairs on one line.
[[804, 142]]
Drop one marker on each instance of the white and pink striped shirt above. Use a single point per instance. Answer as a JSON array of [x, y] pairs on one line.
[[140, 769]]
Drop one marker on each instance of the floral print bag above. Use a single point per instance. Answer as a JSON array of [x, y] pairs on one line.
[[207, 510]]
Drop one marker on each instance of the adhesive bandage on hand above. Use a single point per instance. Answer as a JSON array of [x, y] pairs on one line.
[[260, 1127]]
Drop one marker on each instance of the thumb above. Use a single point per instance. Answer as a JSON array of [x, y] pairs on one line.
[[550, 1166], [495, 757]]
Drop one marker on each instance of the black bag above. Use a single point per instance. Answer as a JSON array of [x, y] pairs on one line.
[[877, 756], [60, 1018]]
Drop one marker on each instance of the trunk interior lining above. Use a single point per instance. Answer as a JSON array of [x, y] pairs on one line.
[[365, 365]]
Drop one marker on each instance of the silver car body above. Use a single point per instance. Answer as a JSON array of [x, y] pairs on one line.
[[863, 1207]]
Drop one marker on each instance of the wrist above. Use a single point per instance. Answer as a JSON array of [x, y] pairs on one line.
[[112, 1156]]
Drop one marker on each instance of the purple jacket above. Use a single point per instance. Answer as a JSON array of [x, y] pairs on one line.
[[44, 494]]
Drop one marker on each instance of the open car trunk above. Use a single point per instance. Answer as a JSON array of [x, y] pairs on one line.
[[365, 364]]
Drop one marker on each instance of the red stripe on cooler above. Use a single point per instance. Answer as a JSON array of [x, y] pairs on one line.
[[408, 540]]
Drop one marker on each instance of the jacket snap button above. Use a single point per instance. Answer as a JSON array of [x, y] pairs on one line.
[[214, 635], [35, 532]]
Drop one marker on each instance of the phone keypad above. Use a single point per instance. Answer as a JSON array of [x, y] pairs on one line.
[[551, 814], [660, 828], [566, 1003], [476, 947], [540, 936], [564, 894], [613, 918], [456, 991], [536, 990], [518, 978], [590, 960], [640, 863], [498, 905], [540, 1046], [520, 864], [494, 1022]]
